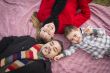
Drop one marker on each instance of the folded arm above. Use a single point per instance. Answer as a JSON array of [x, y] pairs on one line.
[[66, 52], [94, 31], [83, 15]]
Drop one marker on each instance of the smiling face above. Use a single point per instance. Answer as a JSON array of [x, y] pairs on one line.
[[75, 36], [51, 49], [47, 31]]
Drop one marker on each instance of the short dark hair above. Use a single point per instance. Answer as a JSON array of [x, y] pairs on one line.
[[61, 44], [68, 29]]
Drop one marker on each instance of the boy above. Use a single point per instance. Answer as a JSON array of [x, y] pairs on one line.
[[38, 51], [60, 13], [93, 41]]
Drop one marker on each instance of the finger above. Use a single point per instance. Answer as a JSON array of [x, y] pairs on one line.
[[55, 59]]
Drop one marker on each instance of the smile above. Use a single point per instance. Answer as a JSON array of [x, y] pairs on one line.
[[47, 50]]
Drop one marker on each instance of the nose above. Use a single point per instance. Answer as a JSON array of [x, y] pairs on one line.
[[75, 39]]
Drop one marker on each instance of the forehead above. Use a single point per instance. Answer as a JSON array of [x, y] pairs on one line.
[[56, 44], [49, 24], [71, 33]]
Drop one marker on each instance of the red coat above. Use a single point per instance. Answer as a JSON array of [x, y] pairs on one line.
[[69, 15]]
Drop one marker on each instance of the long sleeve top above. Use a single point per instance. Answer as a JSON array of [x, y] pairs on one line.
[[95, 44], [22, 58], [68, 15]]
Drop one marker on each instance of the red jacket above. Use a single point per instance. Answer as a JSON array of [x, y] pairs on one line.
[[69, 15]]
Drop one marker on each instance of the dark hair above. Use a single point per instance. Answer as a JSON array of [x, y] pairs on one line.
[[68, 29], [54, 20], [61, 44]]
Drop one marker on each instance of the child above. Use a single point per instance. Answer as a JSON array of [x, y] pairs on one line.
[[93, 41], [61, 13], [38, 51]]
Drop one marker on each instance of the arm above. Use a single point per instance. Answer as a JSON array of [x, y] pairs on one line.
[[28, 54], [95, 32], [66, 52], [58, 7], [83, 15], [56, 10], [99, 32], [45, 10], [69, 51]]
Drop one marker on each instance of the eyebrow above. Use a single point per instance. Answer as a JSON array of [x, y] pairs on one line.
[[52, 43]]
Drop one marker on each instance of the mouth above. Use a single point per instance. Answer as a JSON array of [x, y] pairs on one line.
[[79, 40], [47, 50]]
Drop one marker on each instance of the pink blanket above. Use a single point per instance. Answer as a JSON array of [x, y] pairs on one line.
[[15, 20]]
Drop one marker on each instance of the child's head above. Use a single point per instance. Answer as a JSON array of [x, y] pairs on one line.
[[73, 34], [47, 31], [52, 49]]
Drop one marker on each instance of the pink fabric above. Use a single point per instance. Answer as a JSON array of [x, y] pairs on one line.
[[15, 17], [81, 62], [15, 20]]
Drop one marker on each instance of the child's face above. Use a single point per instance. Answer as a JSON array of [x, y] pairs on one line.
[[47, 31], [51, 49], [75, 36]]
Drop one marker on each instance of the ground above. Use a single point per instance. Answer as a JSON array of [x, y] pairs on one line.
[[102, 2]]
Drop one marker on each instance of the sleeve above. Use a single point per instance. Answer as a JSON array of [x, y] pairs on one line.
[[95, 31], [98, 32], [57, 8], [45, 10], [83, 15], [28, 54], [70, 51]]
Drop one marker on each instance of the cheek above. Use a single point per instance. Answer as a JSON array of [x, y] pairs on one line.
[[74, 41], [79, 34], [52, 32], [69, 38], [54, 54], [42, 34]]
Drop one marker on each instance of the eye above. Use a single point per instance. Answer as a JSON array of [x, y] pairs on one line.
[[55, 49], [74, 35], [44, 31]]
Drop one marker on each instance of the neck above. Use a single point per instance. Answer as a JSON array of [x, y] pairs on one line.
[[41, 56]]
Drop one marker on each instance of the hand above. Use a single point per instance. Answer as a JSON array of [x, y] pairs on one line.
[[56, 58], [88, 31], [35, 21]]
